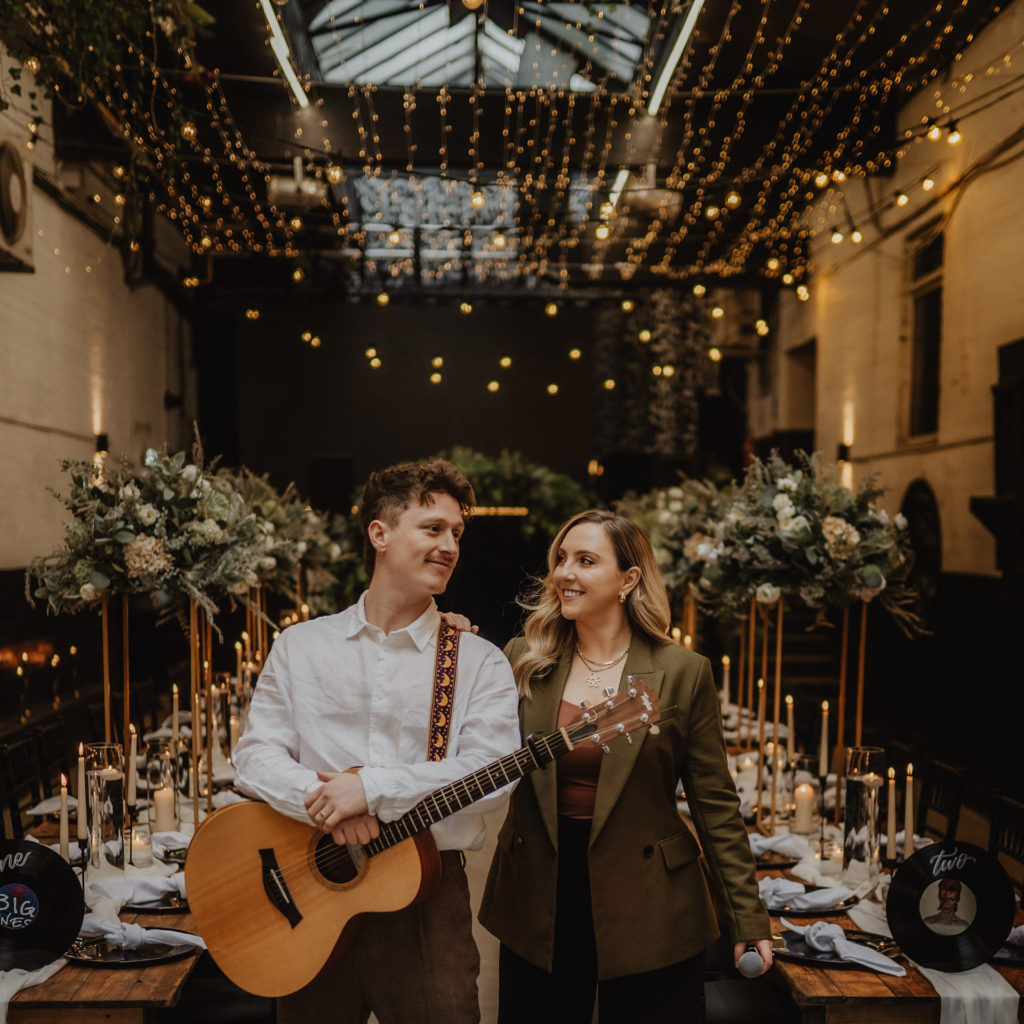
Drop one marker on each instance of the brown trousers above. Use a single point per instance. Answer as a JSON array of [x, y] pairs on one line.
[[414, 966]]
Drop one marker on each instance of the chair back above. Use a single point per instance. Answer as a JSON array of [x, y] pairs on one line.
[[20, 787], [938, 807], [53, 757], [1006, 836]]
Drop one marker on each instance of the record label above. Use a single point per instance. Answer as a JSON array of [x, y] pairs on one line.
[[950, 906], [41, 906]]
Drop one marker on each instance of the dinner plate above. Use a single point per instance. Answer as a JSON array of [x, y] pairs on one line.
[[97, 952], [168, 903], [793, 946], [840, 908], [775, 861]]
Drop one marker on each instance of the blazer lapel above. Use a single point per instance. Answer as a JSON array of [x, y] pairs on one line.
[[540, 714], [618, 762]]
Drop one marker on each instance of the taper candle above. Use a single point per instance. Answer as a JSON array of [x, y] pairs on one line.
[[82, 827], [890, 832], [688, 642], [65, 851], [790, 731], [726, 668], [175, 719], [677, 634], [823, 751], [130, 766], [908, 815]]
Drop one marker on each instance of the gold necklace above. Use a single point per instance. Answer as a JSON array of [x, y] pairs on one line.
[[598, 667]]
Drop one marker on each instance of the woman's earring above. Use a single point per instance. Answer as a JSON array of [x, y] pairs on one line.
[[622, 597]]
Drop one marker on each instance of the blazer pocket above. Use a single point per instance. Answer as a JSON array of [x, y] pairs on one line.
[[679, 849]]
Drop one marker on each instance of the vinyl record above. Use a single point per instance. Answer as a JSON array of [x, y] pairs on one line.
[[950, 906], [41, 906]]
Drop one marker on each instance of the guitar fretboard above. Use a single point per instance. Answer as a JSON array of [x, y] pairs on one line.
[[454, 797]]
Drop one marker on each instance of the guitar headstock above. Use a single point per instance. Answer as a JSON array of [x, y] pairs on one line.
[[618, 714]]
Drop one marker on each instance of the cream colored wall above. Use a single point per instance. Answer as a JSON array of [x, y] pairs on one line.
[[80, 354], [858, 306]]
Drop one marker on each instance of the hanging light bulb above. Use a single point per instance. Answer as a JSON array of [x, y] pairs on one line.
[[609, 384], [772, 263], [712, 212], [477, 199], [954, 136], [394, 236], [928, 184], [189, 131], [902, 199], [500, 240], [602, 231], [802, 292], [644, 335], [552, 389], [383, 298], [717, 312], [761, 326], [787, 278], [465, 308], [699, 290], [856, 237], [335, 174], [934, 131], [628, 305], [298, 275], [574, 354], [837, 236], [493, 386], [551, 309], [437, 362], [732, 199], [435, 378], [505, 362], [821, 179], [715, 355]]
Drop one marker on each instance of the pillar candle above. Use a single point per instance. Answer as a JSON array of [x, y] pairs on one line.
[[790, 730], [142, 851], [82, 829], [908, 815], [890, 832], [677, 634], [726, 696], [823, 752], [688, 642], [130, 766], [803, 808], [65, 852], [163, 810]]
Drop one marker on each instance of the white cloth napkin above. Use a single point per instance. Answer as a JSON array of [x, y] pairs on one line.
[[139, 890], [132, 936], [978, 996], [869, 916], [823, 936], [12, 982], [786, 844], [1016, 936], [920, 842], [51, 805], [164, 841], [777, 893]]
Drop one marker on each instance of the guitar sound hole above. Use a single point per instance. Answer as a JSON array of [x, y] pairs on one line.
[[335, 862]]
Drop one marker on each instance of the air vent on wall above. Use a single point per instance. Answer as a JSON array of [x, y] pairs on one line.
[[15, 209]]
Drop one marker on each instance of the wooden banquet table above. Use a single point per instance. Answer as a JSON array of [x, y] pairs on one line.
[[833, 995], [111, 995]]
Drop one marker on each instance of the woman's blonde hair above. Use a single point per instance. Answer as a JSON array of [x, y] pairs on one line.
[[646, 607]]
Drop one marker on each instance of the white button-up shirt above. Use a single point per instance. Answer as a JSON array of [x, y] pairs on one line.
[[337, 692]]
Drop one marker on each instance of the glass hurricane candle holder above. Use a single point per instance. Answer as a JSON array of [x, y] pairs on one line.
[[806, 801], [104, 775], [865, 769], [160, 772]]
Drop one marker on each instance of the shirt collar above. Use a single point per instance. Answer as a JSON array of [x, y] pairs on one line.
[[421, 631]]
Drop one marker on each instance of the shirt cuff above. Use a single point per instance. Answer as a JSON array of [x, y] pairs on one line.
[[371, 789]]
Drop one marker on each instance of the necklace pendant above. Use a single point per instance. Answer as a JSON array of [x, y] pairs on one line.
[[593, 679]]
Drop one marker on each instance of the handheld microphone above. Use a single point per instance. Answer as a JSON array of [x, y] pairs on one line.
[[750, 964]]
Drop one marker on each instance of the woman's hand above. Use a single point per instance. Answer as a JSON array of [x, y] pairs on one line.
[[763, 947], [459, 622]]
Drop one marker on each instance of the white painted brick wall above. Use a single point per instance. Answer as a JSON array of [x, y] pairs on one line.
[[80, 354]]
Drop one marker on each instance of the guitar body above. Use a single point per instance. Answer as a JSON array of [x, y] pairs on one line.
[[276, 899]]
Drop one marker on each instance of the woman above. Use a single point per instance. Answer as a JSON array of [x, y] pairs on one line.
[[596, 881]]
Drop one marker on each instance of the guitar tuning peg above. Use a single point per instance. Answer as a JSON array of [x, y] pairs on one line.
[[584, 705], [609, 691], [605, 748], [629, 739], [620, 728], [645, 718], [632, 691]]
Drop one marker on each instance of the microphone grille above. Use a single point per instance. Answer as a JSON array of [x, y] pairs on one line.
[[750, 964]]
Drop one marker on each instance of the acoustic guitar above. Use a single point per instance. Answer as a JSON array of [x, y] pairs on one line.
[[277, 900]]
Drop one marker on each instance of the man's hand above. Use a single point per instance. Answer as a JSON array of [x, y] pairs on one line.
[[459, 622], [357, 831], [341, 796]]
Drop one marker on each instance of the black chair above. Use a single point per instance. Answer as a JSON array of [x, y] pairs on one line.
[[144, 706], [52, 755], [19, 783], [938, 806], [1006, 836]]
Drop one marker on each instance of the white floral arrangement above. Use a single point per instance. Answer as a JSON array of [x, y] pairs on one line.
[[792, 531]]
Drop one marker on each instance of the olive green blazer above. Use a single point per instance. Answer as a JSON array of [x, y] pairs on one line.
[[651, 886]]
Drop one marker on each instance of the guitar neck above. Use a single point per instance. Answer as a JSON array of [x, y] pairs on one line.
[[454, 797]]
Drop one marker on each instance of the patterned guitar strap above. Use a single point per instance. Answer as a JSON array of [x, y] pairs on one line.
[[443, 699]]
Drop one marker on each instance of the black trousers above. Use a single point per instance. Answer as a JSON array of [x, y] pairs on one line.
[[529, 995]]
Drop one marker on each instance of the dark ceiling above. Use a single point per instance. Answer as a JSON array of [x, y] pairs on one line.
[[767, 96]]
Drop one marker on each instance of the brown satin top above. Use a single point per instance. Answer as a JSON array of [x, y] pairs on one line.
[[577, 772]]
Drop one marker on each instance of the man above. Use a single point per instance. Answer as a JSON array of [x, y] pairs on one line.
[[947, 921], [355, 689]]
